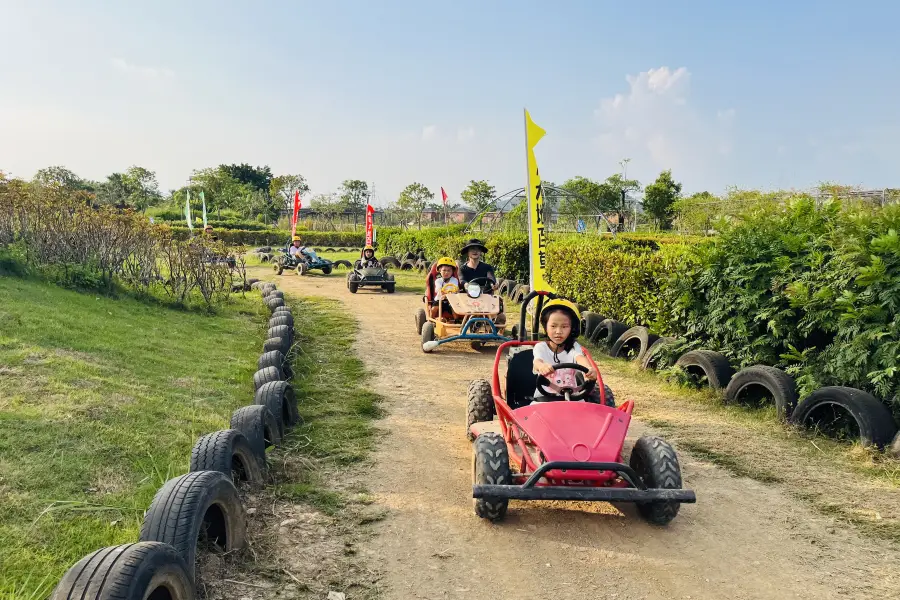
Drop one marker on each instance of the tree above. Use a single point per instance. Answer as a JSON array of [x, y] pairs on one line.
[[220, 189], [142, 187], [354, 194], [258, 178], [660, 196], [414, 198], [594, 198], [329, 206], [479, 195], [284, 186], [58, 176]]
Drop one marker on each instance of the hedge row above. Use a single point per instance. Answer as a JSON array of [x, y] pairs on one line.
[[279, 237]]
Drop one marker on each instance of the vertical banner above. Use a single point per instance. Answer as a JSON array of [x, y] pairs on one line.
[[296, 212], [537, 238], [203, 198], [370, 225], [187, 212]]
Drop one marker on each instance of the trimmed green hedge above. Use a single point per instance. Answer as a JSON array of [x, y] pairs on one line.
[[279, 237]]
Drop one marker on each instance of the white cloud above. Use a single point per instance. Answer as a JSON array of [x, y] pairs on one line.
[[656, 125], [140, 71], [429, 132], [465, 134]]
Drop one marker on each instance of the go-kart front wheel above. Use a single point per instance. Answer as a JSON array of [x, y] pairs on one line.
[[278, 268], [655, 462], [302, 269], [326, 270], [427, 335], [491, 467]]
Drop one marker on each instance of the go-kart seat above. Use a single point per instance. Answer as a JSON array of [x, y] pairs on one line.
[[521, 382]]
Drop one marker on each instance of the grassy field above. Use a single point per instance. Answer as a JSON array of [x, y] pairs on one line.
[[101, 401]]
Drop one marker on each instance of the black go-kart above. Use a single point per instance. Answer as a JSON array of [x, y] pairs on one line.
[[361, 277], [301, 262]]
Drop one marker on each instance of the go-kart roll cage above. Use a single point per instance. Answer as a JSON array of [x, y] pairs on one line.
[[564, 480]]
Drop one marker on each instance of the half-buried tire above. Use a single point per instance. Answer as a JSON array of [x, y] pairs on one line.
[[282, 310], [849, 413], [259, 426], [275, 294], [141, 571], [283, 331], [589, 322], [275, 358], [607, 332], [760, 384], [282, 318], [230, 452], [713, 366], [276, 344], [280, 399], [654, 352], [197, 512], [633, 344], [265, 375], [273, 303]]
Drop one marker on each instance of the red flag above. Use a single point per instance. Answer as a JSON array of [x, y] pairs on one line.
[[370, 223], [296, 212], [444, 194]]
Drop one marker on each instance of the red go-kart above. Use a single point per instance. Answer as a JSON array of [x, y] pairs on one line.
[[559, 448]]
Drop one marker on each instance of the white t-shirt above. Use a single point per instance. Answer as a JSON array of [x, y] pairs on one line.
[[294, 250], [567, 376], [439, 283]]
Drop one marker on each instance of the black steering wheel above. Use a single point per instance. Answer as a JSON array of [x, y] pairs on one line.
[[554, 389]]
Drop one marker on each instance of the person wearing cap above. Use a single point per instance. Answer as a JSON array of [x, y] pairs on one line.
[[295, 248], [368, 257], [474, 268]]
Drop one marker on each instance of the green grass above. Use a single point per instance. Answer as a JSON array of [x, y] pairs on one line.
[[101, 401]]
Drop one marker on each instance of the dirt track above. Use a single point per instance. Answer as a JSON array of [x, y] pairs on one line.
[[742, 539]]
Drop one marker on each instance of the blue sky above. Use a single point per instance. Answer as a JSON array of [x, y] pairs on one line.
[[764, 94]]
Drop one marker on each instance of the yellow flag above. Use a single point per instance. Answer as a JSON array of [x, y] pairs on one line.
[[537, 238]]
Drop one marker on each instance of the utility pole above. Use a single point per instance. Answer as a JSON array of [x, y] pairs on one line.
[[624, 162]]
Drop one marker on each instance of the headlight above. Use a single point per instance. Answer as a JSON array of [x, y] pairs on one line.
[[474, 290]]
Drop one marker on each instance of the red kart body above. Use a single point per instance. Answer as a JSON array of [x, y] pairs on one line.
[[554, 449]]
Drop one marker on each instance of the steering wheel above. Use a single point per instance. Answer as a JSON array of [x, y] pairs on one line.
[[449, 288], [555, 389]]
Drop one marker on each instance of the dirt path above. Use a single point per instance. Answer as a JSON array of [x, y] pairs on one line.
[[743, 539]]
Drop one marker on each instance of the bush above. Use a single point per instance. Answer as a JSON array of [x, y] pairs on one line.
[[280, 237]]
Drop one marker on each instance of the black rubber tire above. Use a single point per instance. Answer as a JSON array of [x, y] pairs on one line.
[[652, 355], [228, 451], [282, 319], [276, 344], [503, 287], [589, 322], [514, 331], [326, 270], [872, 417], [128, 572], [353, 286], [656, 463], [594, 397], [259, 426], [302, 269], [252, 280], [274, 303], [285, 332], [480, 404], [512, 289], [406, 265], [275, 358], [633, 344], [752, 384], [713, 365], [523, 291], [275, 294], [427, 334], [279, 397], [491, 466], [607, 332], [264, 376], [409, 256], [267, 288], [421, 317], [390, 287], [343, 263], [389, 261], [202, 502], [254, 285]]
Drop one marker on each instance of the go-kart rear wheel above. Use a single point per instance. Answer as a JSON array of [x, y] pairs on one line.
[[490, 465], [655, 462], [420, 320], [326, 270], [480, 405]]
